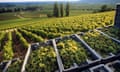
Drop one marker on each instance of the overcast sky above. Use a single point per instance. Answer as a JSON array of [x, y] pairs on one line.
[[33, 0]]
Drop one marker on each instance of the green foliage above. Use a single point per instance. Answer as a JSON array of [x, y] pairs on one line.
[[49, 15], [7, 49], [52, 35], [71, 52], [105, 8], [67, 9], [70, 25], [100, 43], [43, 34], [31, 36], [15, 66], [2, 35], [61, 10], [38, 32], [56, 10], [22, 40], [112, 31], [42, 60]]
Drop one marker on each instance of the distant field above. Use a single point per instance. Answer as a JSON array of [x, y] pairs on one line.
[[36, 14], [18, 22], [79, 12], [38, 21], [7, 16], [20, 15], [32, 14]]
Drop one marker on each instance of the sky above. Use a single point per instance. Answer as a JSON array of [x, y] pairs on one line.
[[33, 0]]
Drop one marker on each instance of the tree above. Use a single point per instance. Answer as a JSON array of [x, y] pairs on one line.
[[105, 8], [56, 10], [67, 9], [61, 10]]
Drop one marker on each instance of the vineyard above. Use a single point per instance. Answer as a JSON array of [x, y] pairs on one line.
[[112, 32], [60, 44]]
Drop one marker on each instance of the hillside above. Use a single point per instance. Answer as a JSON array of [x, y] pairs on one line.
[[38, 44], [37, 21]]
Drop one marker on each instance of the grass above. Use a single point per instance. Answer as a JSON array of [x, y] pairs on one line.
[[79, 12], [7, 16], [32, 14], [18, 22]]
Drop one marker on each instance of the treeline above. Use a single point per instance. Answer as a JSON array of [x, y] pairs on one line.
[[104, 8], [59, 11], [7, 9]]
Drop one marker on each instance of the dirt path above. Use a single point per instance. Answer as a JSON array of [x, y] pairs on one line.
[[18, 49], [19, 16]]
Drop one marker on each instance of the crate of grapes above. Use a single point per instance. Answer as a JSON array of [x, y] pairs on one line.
[[91, 51], [67, 54]]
